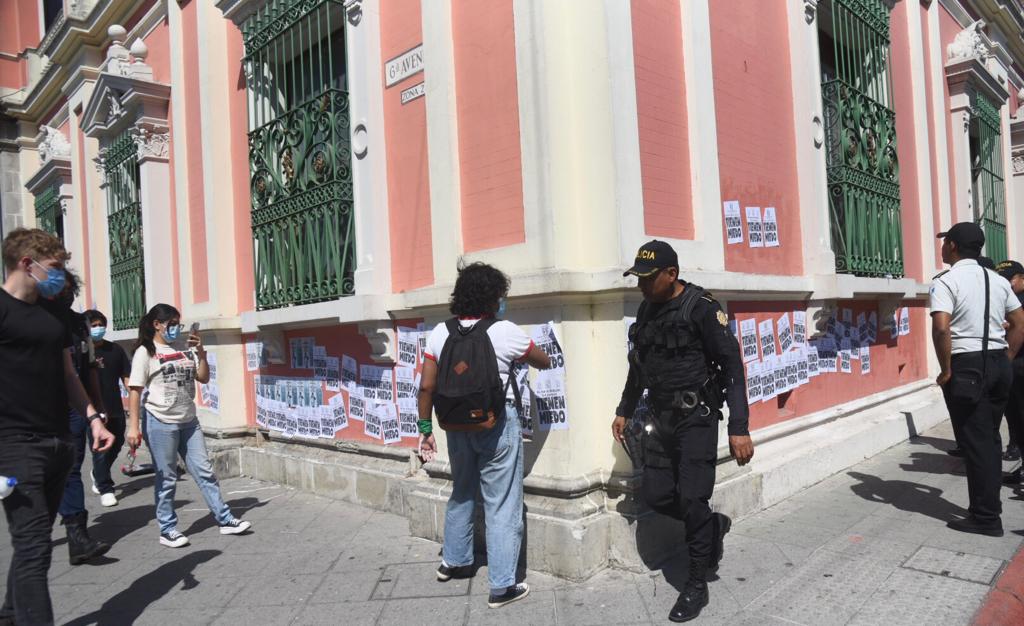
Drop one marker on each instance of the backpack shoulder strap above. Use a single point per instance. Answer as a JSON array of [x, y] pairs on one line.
[[688, 302]]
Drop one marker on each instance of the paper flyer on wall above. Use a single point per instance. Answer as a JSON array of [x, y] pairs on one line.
[[780, 375], [873, 327], [253, 355], [845, 358], [828, 352], [755, 231], [799, 328], [210, 392], [333, 379], [803, 373], [753, 382], [421, 342], [326, 414], [408, 345], [748, 339], [526, 418], [377, 383], [356, 405], [812, 359], [295, 352], [785, 333], [904, 321], [767, 333], [863, 330], [405, 382], [319, 362], [792, 371], [768, 379], [771, 228], [338, 410], [733, 225], [390, 430], [408, 415], [349, 372], [865, 360], [549, 386], [372, 423]]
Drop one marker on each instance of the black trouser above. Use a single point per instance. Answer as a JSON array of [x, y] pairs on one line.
[[103, 461], [41, 466], [679, 472], [1015, 405], [976, 425]]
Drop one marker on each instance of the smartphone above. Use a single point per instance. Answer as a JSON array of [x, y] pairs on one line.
[[194, 328]]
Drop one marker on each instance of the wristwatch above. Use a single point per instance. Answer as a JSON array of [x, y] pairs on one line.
[[97, 416]]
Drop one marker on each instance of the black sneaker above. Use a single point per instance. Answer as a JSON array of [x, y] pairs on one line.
[[721, 524], [1013, 478], [1012, 453], [971, 524], [446, 572], [957, 451], [513, 593]]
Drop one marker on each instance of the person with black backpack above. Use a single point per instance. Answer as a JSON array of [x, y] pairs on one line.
[[466, 380]]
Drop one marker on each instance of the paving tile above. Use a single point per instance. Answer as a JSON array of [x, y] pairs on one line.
[[605, 604], [959, 565], [750, 567], [856, 546], [416, 580], [276, 590], [353, 586], [826, 589], [233, 616], [451, 610], [785, 531], [348, 613], [916, 598]]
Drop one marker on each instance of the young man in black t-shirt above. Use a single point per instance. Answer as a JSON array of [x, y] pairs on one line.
[[39, 383], [114, 366]]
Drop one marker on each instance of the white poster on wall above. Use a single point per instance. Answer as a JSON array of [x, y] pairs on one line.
[[771, 228], [767, 332], [748, 339], [755, 231], [733, 224]]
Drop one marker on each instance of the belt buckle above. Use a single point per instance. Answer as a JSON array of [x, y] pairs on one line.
[[689, 400]]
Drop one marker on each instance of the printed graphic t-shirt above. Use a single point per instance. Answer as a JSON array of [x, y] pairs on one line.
[[509, 341], [169, 377]]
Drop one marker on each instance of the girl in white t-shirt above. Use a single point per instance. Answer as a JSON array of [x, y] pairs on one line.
[[489, 461], [162, 392]]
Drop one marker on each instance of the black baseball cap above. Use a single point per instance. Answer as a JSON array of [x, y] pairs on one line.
[[966, 236], [653, 256], [1009, 269]]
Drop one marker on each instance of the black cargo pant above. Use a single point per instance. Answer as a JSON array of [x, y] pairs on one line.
[[679, 471], [1015, 405], [976, 425]]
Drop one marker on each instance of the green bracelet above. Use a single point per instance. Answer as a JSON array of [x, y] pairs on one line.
[[425, 427]]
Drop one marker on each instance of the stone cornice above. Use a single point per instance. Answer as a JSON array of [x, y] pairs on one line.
[[970, 72], [120, 101], [57, 170]]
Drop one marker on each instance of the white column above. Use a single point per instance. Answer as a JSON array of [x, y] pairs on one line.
[[934, 66], [919, 102], [154, 183]]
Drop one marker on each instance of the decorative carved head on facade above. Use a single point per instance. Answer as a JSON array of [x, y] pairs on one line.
[[53, 145], [970, 43]]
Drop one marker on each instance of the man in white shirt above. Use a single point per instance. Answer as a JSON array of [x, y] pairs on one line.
[[975, 376]]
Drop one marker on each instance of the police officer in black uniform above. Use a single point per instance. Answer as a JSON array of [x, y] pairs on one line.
[[685, 357]]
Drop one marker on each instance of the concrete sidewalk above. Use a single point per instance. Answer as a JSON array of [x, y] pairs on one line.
[[867, 546]]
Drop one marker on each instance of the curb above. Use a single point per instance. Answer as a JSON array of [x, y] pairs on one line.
[[1005, 603]]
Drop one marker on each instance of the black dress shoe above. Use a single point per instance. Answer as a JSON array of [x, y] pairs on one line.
[[957, 451], [971, 524], [721, 524], [1012, 453], [1013, 478]]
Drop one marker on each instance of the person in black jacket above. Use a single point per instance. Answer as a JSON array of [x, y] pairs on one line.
[[113, 367], [689, 362], [1014, 272]]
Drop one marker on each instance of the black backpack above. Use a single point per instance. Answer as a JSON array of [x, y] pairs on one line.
[[469, 394]]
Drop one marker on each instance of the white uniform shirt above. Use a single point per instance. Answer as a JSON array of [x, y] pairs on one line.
[[961, 293]]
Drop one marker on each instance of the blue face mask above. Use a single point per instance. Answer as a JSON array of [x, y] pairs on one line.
[[502, 307], [53, 284], [171, 332], [97, 332]]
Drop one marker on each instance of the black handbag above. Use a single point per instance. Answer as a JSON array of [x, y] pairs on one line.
[[967, 386]]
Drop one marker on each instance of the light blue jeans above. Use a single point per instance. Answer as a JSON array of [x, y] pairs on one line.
[[166, 443], [491, 461]]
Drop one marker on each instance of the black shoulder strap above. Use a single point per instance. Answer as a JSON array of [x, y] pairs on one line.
[[984, 334], [641, 312], [688, 302]]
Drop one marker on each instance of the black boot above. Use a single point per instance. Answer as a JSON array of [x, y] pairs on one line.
[[694, 596], [721, 524], [82, 547]]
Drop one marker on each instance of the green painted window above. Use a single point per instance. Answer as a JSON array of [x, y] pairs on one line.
[[860, 137], [49, 213], [124, 224], [987, 187], [300, 159]]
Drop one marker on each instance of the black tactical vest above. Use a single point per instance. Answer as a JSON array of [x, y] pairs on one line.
[[667, 347]]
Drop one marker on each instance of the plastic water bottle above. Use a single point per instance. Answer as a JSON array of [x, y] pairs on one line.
[[7, 486]]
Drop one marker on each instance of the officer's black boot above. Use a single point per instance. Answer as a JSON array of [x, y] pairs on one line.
[[694, 596], [82, 547], [721, 524]]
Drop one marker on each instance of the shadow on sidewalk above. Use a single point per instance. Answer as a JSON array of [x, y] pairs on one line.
[[942, 445], [238, 506], [932, 463], [129, 605], [906, 496]]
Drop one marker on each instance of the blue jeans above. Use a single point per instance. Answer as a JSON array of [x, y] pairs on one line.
[[73, 501], [166, 443], [491, 461]]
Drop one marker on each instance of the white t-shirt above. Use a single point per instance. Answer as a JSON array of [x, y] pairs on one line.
[[509, 341], [961, 293], [169, 378]]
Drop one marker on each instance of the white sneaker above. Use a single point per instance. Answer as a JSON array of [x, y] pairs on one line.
[[173, 539], [108, 499], [235, 527]]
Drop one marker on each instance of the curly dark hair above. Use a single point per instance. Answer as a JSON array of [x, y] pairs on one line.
[[478, 289]]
